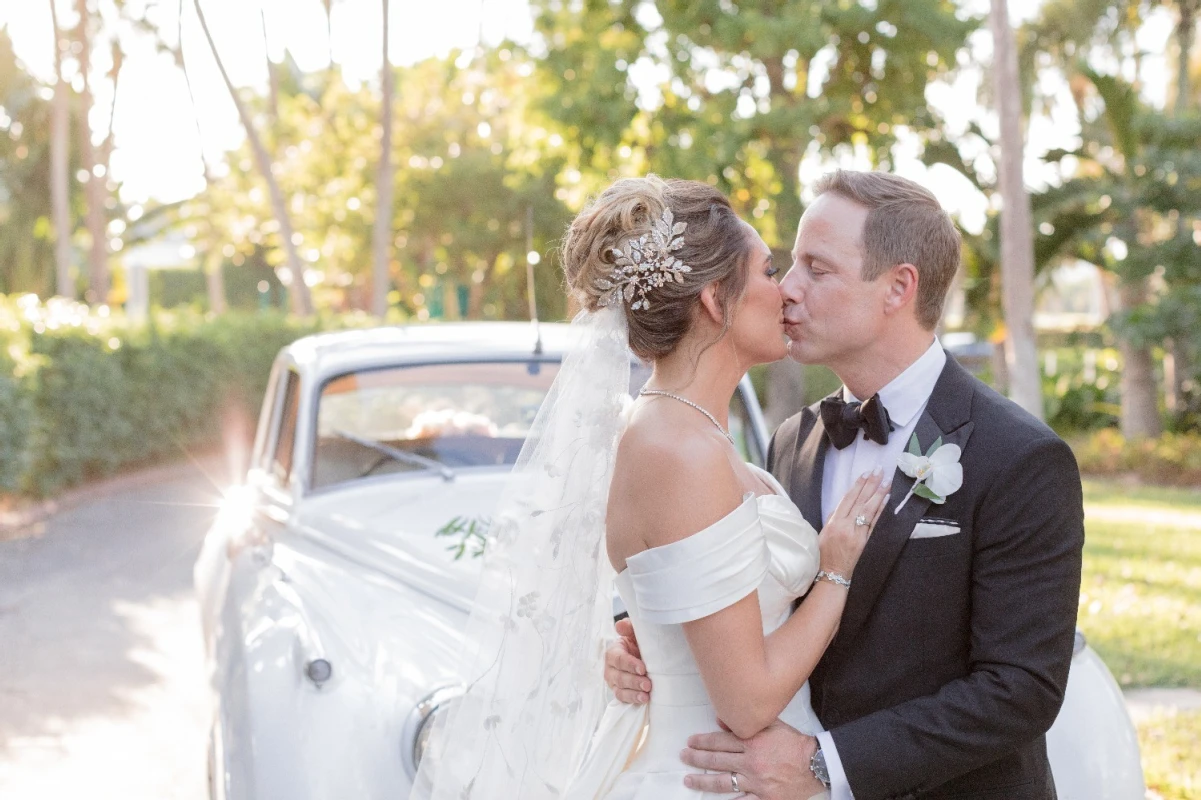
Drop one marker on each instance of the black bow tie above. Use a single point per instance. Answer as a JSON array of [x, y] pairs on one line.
[[844, 420]]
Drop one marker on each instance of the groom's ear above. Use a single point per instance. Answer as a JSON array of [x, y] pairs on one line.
[[901, 288]]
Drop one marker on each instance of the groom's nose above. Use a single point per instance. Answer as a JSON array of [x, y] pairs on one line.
[[793, 285]]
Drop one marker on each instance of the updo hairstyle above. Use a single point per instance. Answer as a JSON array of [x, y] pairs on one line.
[[716, 246]]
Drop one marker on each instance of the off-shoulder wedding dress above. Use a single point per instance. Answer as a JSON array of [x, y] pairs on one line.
[[764, 544], [532, 723]]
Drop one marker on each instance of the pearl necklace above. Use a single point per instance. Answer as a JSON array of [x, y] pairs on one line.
[[687, 402]]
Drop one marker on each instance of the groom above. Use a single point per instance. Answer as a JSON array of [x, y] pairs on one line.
[[953, 651]]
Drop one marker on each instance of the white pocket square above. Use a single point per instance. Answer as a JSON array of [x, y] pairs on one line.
[[930, 530]]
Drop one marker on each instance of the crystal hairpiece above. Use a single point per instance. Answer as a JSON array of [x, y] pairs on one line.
[[648, 265]]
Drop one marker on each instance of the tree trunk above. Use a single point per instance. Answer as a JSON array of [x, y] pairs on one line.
[[1184, 367], [785, 391], [477, 289], [214, 281], [1017, 237], [214, 277], [1000, 365], [60, 179], [1177, 369], [106, 148], [98, 279], [329, 29], [272, 76], [1140, 408], [1185, 31], [298, 291], [382, 233]]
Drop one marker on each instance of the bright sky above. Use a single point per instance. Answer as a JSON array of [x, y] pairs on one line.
[[157, 148]]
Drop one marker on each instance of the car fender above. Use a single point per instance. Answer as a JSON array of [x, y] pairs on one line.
[[285, 735], [1093, 745]]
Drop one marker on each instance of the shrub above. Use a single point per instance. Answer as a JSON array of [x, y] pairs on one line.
[[1172, 459], [14, 424], [1081, 391], [83, 394]]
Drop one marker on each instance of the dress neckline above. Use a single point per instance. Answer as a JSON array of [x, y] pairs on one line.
[[747, 498]]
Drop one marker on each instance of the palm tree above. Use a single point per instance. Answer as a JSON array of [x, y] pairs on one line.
[[382, 232], [1017, 238], [298, 290], [60, 155], [98, 278], [1113, 213]]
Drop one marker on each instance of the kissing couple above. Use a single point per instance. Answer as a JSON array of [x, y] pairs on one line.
[[886, 611]]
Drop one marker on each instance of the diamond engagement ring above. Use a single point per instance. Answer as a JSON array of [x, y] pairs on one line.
[[734, 782], [861, 520]]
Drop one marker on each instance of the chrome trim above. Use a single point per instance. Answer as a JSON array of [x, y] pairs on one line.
[[758, 422], [421, 714]]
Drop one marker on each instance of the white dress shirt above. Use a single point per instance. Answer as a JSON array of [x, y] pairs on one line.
[[905, 397]]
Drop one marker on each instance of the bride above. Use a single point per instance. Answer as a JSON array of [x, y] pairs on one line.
[[707, 552]]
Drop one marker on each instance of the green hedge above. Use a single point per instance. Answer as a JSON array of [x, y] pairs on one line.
[[1174, 459], [83, 395]]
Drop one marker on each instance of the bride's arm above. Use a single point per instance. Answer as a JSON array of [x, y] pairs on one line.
[[750, 678]]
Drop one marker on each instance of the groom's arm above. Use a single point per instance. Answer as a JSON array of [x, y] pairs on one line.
[[1025, 591]]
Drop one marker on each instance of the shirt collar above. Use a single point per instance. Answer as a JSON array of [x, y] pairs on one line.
[[907, 393]]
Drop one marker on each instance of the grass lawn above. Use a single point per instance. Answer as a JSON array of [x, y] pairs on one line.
[[1140, 607], [1140, 603], [1171, 750]]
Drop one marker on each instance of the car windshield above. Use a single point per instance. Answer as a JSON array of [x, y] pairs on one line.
[[448, 415]]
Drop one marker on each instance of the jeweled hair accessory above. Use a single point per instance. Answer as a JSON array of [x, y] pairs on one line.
[[648, 265]]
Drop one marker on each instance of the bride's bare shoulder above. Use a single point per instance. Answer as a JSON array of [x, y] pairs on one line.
[[654, 441], [671, 479]]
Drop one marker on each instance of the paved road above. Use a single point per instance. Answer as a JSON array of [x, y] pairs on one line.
[[102, 689]]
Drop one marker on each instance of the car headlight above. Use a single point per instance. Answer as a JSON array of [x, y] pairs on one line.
[[419, 727]]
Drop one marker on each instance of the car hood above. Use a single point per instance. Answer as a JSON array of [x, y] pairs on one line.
[[389, 525]]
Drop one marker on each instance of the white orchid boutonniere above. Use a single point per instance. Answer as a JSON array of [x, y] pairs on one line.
[[936, 474]]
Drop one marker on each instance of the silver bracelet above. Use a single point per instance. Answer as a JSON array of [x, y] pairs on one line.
[[832, 577]]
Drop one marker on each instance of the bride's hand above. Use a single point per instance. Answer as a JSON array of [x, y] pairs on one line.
[[624, 671], [842, 539]]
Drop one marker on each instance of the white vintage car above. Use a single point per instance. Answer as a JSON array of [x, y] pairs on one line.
[[333, 611]]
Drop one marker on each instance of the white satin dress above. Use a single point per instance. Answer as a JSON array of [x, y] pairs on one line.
[[764, 544]]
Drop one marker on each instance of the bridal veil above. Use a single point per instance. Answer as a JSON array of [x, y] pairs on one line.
[[533, 656]]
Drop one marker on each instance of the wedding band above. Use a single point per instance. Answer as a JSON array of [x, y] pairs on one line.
[[734, 782], [861, 520]]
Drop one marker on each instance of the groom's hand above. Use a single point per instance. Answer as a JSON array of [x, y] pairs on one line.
[[771, 765], [624, 671]]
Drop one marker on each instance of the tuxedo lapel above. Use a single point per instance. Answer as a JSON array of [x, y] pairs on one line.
[[806, 485], [947, 415]]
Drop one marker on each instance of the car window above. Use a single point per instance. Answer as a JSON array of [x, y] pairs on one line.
[[455, 415], [267, 416], [285, 441], [741, 427], [743, 431]]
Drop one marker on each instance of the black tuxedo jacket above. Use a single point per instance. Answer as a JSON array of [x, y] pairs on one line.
[[952, 655]]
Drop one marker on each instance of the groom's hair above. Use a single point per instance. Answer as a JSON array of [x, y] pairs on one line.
[[905, 225]]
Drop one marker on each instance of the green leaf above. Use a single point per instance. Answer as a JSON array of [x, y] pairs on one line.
[[915, 449], [924, 491], [472, 532], [937, 444], [453, 527]]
